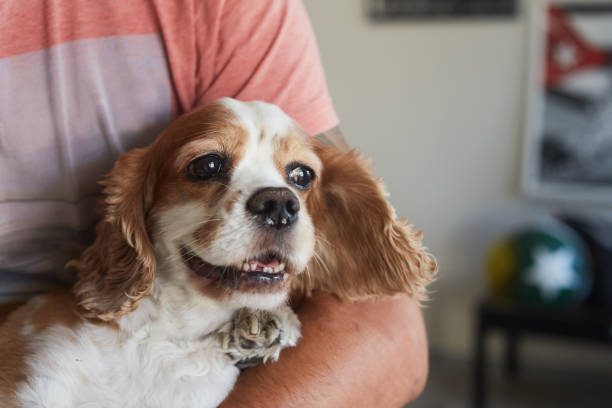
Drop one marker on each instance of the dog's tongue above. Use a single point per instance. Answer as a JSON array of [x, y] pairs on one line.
[[270, 264]]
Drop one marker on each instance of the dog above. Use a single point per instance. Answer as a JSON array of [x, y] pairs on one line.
[[204, 234]]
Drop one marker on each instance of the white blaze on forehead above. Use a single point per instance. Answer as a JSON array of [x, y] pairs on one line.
[[265, 124], [256, 116]]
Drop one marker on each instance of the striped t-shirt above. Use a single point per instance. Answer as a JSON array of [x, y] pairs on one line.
[[82, 81]]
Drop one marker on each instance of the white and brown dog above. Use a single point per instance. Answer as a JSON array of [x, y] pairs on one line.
[[205, 232]]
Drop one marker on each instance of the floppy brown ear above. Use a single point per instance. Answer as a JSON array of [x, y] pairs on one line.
[[117, 271], [362, 249]]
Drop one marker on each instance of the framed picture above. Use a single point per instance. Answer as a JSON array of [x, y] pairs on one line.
[[440, 9], [567, 151]]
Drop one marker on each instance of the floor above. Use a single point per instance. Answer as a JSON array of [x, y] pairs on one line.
[[557, 385]]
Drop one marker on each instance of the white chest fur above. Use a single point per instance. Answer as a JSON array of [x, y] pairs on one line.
[[95, 367], [159, 358]]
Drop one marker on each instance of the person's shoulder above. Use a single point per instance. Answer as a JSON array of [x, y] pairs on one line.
[[266, 50]]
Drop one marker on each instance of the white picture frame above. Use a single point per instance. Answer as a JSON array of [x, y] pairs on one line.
[[538, 178]]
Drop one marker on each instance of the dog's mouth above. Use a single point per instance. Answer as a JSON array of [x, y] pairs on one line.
[[268, 270]]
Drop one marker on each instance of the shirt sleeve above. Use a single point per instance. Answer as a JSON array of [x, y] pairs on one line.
[[265, 50]]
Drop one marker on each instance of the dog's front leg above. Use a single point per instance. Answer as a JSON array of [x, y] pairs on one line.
[[255, 336]]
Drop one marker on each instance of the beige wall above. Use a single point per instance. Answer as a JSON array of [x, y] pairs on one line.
[[439, 106]]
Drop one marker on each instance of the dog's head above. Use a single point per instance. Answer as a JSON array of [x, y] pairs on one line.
[[235, 201]]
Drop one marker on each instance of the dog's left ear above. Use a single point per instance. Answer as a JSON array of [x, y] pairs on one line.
[[362, 249]]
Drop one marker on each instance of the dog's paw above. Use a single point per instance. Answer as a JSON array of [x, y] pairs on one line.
[[255, 336]]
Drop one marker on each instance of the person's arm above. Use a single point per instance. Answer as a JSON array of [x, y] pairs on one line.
[[333, 137], [362, 354]]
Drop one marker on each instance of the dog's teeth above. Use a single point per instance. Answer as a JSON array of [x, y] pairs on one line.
[[277, 269], [253, 267], [285, 276], [268, 270], [281, 267], [246, 267], [254, 326]]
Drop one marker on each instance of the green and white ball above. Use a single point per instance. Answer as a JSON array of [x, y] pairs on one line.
[[540, 266]]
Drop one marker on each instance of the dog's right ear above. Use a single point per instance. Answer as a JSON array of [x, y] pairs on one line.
[[117, 271]]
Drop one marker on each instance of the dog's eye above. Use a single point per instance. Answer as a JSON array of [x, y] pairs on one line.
[[301, 176], [205, 167]]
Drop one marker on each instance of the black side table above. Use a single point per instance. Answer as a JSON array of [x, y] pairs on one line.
[[516, 321]]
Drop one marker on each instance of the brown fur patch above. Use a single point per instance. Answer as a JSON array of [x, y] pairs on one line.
[[7, 308], [13, 354], [118, 270], [362, 249], [58, 308], [230, 202], [207, 130], [207, 232]]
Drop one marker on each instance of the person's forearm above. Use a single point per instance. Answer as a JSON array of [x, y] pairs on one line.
[[333, 137], [351, 355]]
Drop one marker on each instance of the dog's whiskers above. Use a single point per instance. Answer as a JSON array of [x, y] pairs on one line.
[[318, 258], [322, 239]]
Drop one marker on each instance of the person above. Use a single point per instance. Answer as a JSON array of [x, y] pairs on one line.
[[83, 81]]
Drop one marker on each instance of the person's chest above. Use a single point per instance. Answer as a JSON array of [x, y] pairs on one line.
[[80, 83], [68, 111]]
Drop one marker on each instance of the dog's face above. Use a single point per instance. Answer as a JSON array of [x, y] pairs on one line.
[[231, 199], [236, 201]]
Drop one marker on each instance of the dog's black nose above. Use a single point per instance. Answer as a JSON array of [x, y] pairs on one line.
[[276, 207]]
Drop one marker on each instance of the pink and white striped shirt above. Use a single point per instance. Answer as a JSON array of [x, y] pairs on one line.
[[82, 81]]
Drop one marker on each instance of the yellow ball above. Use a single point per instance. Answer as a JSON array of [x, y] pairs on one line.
[[500, 267]]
